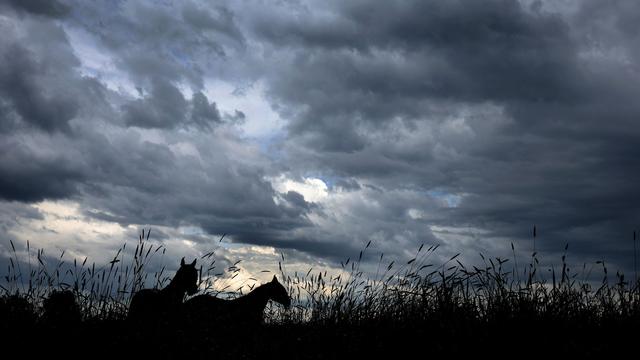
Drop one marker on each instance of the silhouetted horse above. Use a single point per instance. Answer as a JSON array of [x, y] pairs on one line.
[[209, 310], [150, 304]]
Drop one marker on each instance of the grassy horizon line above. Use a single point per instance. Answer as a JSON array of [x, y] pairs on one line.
[[396, 291]]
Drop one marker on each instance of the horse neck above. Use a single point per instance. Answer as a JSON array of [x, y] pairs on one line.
[[174, 290]]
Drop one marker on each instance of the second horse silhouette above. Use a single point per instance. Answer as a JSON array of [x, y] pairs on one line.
[[153, 305], [245, 310]]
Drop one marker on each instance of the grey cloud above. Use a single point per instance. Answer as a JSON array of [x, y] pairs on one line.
[[103, 161], [347, 184], [52, 8], [29, 178], [41, 93], [448, 50], [166, 108], [142, 183], [174, 41], [163, 108], [238, 117], [11, 213], [22, 84], [296, 199], [372, 92], [204, 113], [218, 20], [41, 84], [489, 116]]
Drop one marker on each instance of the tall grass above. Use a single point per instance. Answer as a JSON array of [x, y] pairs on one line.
[[102, 292], [420, 290], [417, 290]]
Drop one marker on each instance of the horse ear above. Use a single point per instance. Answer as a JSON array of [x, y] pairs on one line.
[[194, 262], [275, 279], [182, 262]]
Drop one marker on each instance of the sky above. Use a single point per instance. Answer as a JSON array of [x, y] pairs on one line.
[[309, 128]]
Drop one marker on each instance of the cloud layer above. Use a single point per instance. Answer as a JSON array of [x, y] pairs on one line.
[[399, 122]]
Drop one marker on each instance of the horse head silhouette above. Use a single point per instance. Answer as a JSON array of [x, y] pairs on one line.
[[186, 278], [278, 293]]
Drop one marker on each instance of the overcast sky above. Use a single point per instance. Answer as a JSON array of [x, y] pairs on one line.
[[311, 128]]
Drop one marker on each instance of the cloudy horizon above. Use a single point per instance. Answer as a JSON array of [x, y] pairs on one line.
[[311, 128]]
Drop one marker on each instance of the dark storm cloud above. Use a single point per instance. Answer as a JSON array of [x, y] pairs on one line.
[[52, 8], [204, 113], [33, 88], [176, 41], [488, 116], [166, 108], [41, 93], [158, 187], [547, 131], [163, 108], [218, 20], [296, 199], [393, 57], [29, 177], [97, 153]]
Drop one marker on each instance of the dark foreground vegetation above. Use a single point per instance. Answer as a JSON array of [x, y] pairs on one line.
[[413, 309]]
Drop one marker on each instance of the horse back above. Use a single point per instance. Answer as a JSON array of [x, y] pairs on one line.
[[212, 310], [207, 310], [146, 303], [205, 304]]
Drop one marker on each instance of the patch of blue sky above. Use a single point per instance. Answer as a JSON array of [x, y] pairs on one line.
[[191, 230], [269, 145], [449, 199]]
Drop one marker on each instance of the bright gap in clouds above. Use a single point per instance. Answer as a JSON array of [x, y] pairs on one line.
[[63, 227], [447, 199], [95, 61], [313, 189], [260, 120]]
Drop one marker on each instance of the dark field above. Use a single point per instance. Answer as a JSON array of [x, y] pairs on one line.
[[405, 309]]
